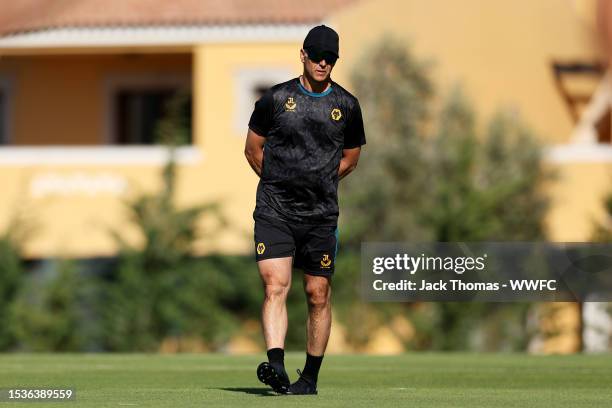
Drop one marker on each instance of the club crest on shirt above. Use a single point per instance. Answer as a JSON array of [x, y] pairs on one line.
[[261, 248], [326, 261], [336, 114], [290, 105]]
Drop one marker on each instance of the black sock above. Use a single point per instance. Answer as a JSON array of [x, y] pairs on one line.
[[311, 369], [276, 356]]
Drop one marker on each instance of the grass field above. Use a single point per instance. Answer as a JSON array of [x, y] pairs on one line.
[[410, 380]]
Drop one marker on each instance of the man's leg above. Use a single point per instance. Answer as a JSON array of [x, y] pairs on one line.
[[315, 255], [318, 296], [276, 277]]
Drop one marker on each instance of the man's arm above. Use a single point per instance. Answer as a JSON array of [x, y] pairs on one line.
[[253, 150], [349, 160]]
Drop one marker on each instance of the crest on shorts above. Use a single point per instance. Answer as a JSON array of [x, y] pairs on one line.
[[326, 261], [290, 105], [261, 248], [336, 114]]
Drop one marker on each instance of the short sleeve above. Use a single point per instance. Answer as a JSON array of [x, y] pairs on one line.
[[261, 118], [354, 134]]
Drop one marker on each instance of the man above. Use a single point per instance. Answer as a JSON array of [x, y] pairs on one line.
[[304, 135]]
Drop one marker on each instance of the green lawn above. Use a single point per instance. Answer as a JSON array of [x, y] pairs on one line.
[[410, 380]]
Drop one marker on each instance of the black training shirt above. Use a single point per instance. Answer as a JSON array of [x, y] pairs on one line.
[[305, 133]]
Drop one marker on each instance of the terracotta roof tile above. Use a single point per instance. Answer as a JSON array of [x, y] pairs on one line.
[[34, 15]]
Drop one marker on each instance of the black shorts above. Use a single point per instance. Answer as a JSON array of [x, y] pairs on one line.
[[313, 247]]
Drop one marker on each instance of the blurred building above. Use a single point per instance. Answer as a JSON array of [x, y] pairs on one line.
[[83, 82]]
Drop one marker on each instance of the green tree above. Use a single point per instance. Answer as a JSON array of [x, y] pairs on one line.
[[50, 312], [395, 92], [432, 174], [156, 291], [11, 277], [602, 231]]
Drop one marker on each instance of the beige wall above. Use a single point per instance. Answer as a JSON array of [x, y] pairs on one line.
[[75, 224], [577, 200], [226, 173]]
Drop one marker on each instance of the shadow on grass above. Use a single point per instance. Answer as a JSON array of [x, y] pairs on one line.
[[264, 392]]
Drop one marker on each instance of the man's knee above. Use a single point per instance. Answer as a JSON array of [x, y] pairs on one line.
[[318, 293], [276, 291], [276, 277]]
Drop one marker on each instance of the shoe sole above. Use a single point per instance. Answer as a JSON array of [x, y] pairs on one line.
[[268, 375]]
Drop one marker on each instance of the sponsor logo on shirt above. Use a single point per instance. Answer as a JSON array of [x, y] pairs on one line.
[[336, 114], [290, 105]]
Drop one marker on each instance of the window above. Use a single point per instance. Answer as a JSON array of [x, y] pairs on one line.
[[148, 109], [141, 112]]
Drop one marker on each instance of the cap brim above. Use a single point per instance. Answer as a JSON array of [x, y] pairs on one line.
[[319, 51]]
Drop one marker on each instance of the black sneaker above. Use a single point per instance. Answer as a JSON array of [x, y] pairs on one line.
[[303, 386], [276, 378]]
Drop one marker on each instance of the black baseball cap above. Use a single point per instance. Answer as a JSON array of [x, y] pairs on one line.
[[322, 42]]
